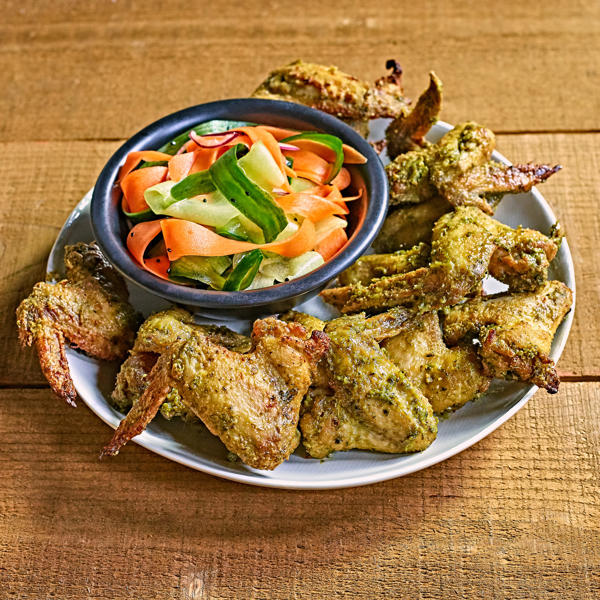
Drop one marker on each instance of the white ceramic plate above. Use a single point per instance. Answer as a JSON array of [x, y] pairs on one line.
[[194, 446]]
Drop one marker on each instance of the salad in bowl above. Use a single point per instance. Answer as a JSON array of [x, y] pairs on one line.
[[232, 205]]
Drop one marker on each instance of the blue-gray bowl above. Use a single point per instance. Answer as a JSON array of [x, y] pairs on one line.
[[364, 221]]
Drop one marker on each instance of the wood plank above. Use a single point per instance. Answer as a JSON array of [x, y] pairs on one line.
[[99, 70], [39, 193], [516, 516], [574, 195]]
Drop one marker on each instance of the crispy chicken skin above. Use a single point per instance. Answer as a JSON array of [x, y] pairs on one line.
[[410, 224], [361, 400], [447, 377], [372, 266], [250, 401], [458, 168], [466, 245], [407, 131], [328, 89], [88, 309], [156, 334], [515, 331]]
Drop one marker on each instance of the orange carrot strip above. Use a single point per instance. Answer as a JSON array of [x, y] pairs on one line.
[[309, 162], [184, 238], [311, 206], [333, 243], [279, 133], [159, 266], [140, 237], [134, 158], [342, 179], [180, 165], [136, 182], [205, 157], [352, 156]]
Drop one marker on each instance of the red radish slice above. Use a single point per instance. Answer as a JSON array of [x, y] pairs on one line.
[[214, 140]]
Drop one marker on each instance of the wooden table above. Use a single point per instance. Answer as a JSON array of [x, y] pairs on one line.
[[515, 516]]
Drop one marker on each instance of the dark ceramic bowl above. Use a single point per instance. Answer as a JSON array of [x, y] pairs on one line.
[[364, 221]]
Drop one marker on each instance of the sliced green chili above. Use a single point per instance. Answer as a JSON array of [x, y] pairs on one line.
[[138, 217], [244, 272], [250, 199], [193, 185], [331, 141]]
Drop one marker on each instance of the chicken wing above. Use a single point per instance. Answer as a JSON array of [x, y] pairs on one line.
[[328, 89], [373, 266], [155, 335], [459, 169], [88, 309], [515, 331], [466, 245], [410, 224], [361, 399], [447, 377], [251, 401], [407, 131]]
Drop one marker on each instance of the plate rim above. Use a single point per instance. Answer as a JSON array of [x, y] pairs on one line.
[[392, 471]]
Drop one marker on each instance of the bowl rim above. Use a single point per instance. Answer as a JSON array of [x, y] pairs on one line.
[[281, 114]]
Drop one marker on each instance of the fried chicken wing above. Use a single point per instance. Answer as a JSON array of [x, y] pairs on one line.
[[474, 187], [372, 266], [466, 244], [88, 309], [328, 89], [361, 399], [414, 176], [155, 335], [458, 168], [251, 401], [515, 331], [407, 131], [447, 377], [410, 224]]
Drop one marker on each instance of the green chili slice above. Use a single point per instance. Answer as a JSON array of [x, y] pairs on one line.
[[193, 185], [331, 141], [244, 272], [138, 217], [250, 199]]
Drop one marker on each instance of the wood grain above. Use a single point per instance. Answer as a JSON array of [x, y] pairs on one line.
[[57, 174], [100, 70], [515, 516]]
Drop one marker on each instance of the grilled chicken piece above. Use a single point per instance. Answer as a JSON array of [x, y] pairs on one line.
[[447, 377], [157, 334], [407, 131], [88, 309], [458, 168], [361, 400], [373, 266], [250, 401], [466, 245], [515, 332], [328, 89], [410, 224]]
